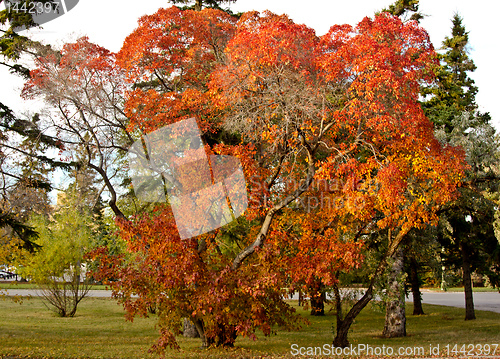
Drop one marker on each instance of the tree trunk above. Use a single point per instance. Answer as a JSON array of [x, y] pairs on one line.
[[338, 313], [344, 324], [415, 288], [224, 336], [198, 5], [189, 329], [317, 299], [469, 302], [201, 332], [395, 318]]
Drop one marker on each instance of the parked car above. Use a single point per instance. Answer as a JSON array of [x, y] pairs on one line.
[[7, 275]]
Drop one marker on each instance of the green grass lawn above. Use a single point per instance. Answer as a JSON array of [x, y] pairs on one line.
[[99, 331]]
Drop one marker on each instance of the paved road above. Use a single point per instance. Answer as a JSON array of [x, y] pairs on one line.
[[482, 300]]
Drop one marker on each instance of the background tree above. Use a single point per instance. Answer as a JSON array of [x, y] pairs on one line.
[[454, 91], [83, 89], [25, 192], [199, 4], [423, 263], [405, 9], [22, 140], [58, 266], [467, 224]]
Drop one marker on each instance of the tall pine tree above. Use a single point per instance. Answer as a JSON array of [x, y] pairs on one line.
[[19, 137], [466, 231], [199, 4], [454, 91]]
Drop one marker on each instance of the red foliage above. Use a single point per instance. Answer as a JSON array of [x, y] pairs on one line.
[[342, 107]]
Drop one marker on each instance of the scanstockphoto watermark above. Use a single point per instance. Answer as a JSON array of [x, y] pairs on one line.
[[41, 11], [476, 350], [208, 192], [322, 194], [355, 350], [307, 203]]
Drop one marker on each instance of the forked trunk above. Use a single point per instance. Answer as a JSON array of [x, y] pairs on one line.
[[343, 325]]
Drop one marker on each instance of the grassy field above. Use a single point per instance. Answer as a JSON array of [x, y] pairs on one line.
[[99, 331]]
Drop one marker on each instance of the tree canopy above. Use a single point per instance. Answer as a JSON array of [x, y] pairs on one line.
[[331, 136]]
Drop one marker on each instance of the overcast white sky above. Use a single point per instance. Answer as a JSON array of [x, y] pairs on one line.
[[108, 22]]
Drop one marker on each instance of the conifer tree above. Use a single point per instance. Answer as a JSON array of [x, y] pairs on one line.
[[454, 91], [199, 4], [14, 183], [405, 9], [466, 226]]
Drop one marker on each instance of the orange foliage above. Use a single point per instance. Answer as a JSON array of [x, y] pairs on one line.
[[172, 53], [342, 107]]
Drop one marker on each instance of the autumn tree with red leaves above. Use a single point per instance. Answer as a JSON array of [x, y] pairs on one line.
[[169, 59], [298, 110], [343, 106]]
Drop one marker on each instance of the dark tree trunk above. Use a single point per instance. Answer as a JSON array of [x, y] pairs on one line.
[[338, 313], [201, 332], [343, 325], [317, 299], [395, 316], [224, 336], [469, 302], [415, 288], [317, 304]]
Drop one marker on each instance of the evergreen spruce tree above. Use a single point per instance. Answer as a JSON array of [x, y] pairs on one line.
[[466, 227], [454, 91], [199, 4], [405, 9], [15, 184]]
